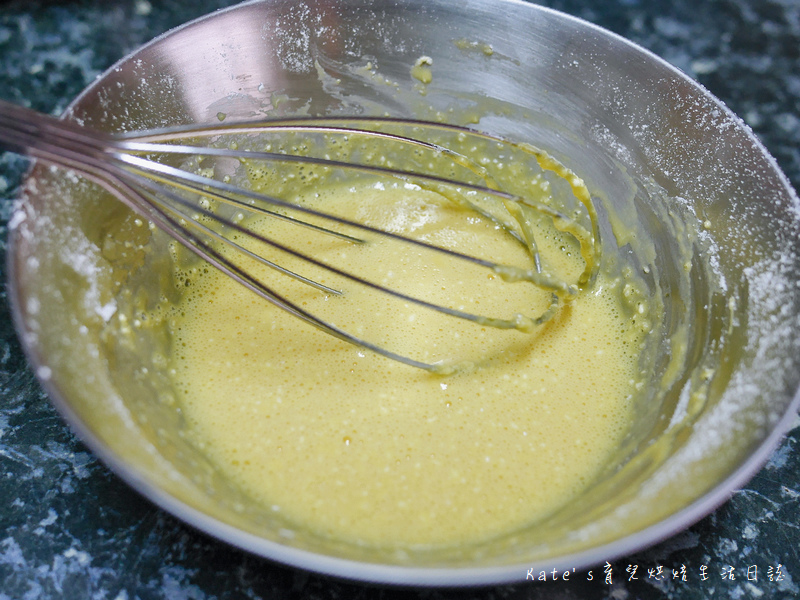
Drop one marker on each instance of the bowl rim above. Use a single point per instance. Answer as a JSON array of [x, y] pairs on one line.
[[349, 569]]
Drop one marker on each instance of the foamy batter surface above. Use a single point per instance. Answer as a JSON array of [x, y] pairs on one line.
[[361, 448]]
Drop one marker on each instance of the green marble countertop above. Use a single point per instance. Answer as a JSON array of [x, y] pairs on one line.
[[69, 528]]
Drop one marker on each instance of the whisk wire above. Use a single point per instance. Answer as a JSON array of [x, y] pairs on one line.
[[149, 142], [168, 197], [175, 177], [178, 174]]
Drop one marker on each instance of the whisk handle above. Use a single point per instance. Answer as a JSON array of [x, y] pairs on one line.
[[36, 134]]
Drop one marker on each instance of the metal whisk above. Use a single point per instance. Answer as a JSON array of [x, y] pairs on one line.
[[148, 172]]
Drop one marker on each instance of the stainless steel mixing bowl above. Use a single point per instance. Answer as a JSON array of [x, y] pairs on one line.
[[675, 164]]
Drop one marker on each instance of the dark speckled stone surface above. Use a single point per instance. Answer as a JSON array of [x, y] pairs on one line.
[[71, 529]]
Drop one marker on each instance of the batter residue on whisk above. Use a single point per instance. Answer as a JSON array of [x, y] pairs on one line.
[[360, 448]]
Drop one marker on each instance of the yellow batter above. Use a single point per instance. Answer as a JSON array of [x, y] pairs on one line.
[[361, 448]]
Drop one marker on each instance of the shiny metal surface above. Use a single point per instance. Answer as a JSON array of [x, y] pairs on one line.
[[621, 117], [170, 197]]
